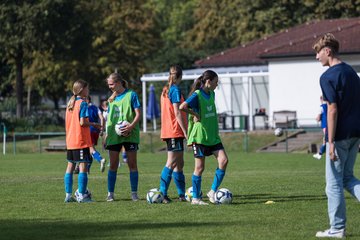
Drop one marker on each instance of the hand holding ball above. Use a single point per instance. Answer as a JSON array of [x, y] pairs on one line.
[[119, 128]]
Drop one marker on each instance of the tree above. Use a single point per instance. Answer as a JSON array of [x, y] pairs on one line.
[[124, 36], [30, 26]]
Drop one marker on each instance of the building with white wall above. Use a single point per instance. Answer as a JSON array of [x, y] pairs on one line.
[[276, 73]]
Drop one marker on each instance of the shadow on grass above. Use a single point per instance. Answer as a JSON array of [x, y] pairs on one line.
[[53, 229], [261, 198]]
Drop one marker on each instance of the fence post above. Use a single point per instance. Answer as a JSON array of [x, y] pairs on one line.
[[14, 143], [39, 142], [246, 142], [286, 141], [4, 137]]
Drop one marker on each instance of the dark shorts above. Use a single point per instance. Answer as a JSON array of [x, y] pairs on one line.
[[129, 147], [79, 155], [175, 144], [94, 137], [201, 151]]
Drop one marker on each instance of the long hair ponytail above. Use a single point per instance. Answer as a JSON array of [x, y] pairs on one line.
[[200, 81], [78, 86]]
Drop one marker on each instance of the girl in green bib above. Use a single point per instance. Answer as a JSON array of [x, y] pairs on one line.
[[203, 133], [124, 105]]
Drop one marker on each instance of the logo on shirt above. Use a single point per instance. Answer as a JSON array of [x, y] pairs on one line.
[[117, 112]]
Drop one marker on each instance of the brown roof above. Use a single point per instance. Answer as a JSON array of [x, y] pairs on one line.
[[293, 42]]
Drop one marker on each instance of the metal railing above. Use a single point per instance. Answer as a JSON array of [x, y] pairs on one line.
[[38, 134]]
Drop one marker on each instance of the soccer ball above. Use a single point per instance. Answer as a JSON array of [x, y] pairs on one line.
[[119, 126], [86, 195], [278, 132], [154, 196], [189, 194], [223, 196]]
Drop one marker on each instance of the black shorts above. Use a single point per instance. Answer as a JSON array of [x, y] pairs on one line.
[[201, 151], [129, 147], [79, 155], [175, 144]]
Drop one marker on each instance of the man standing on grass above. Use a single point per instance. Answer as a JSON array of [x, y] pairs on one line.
[[340, 86]]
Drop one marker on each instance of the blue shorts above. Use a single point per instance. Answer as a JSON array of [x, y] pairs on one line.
[[201, 151], [129, 147], [175, 144], [79, 155]]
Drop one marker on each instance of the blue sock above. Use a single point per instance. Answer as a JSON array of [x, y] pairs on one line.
[[68, 182], [179, 180], [196, 182], [134, 178], [96, 155], [82, 182], [111, 180], [124, 155], [165, 180], [219, 176], [322, 149]]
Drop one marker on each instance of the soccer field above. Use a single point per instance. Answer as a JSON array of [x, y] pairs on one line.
[[32, 194]]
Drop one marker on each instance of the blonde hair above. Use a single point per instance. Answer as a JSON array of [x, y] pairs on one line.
[[175, 73], [117, 78], [78, 86], [328, 40]]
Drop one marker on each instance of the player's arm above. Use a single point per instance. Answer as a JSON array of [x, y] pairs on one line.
[[179, 118], [189, 105], [102, 122], [84, 117], [332, 121], [132, 125]]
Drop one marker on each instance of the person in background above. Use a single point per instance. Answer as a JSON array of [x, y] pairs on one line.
[[95, 116], [78, 141], [124, 105], [203, 133], [340, 87], [173, 132], [322, 118]]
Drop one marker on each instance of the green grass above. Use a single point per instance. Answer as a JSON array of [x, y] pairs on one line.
[[32, 194]]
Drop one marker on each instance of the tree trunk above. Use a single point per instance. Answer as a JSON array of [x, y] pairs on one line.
[[28, 102], [19, 82]]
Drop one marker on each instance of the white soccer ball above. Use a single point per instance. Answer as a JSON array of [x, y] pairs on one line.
[[189, 194], [86, 195], [119, 126], [154, 196], [278, 132], [223, 196]]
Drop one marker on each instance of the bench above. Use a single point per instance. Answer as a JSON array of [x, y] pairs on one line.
[[285, 119], [56, 145]]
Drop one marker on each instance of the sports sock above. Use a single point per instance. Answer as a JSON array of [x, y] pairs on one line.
[[134, 178], [322, 149], [97, 156], [219, 176], [111, 180], [165, 180], [179, 179], [196, 182], [68, 182], [82, 182], [124, 155]]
